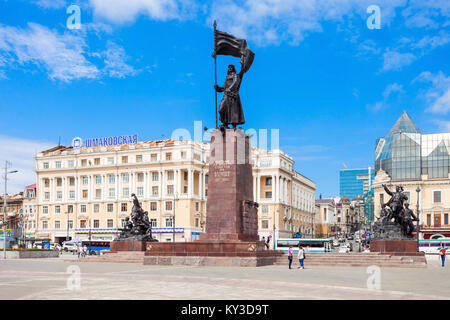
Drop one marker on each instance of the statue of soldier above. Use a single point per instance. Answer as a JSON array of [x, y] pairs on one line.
[[407, 220], [386, 213], [127, 228], [396, 202], [230, 109]]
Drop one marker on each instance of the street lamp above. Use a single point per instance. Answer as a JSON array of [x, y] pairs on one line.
[[7, 164]]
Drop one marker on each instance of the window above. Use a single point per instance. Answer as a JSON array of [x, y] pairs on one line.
[[84, 194], [170, 175], [70, 209], [70, 224], [428, 219], [57, 224], [265, 224], [154, 191], [153, 206], [168, 205], [125, 177], [269, 195], [72, 182], [139, 158], [155, 176], [123, 207], [59, 195], [45, 165], [72, 194], [140, 191], [112, 192], [110, 223], [57, 209], [98, 193], [96, 224], [168, 156], [183, 155], [197, 222], [264, 209], [96, 207], [446, 218], [85, 180], [140, 177], [97, 161], [110, 160], [170, 189], [58, 182], [125, 192], [83, 162], [185, 177], [153, 157], [154, 222], [197, 206], [83, 224], [70, 163], [46, 183], [269, 181], [110, 207], [124, 159], [112, 178], [169, 222], [44, 225], [185, 189], [47, 195], [381, 197], [206, 179], [83, 208], [437, 196], [98, 179]]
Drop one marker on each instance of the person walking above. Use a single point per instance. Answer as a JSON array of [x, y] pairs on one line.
[[78, 251], [443, 253], [301, 257], [85, 251], [290, 256]]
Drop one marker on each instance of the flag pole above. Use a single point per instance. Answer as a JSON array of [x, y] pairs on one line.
[[215, 66]]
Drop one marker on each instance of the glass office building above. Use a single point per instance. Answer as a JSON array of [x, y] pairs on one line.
[[354, 182], [406, 154]]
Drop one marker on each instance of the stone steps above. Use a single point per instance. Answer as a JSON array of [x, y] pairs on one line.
[[123, 256]]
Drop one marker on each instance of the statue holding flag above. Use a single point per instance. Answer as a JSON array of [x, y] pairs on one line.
[[230, 109]]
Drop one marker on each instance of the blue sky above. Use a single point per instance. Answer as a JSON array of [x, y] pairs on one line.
[[329, 83]]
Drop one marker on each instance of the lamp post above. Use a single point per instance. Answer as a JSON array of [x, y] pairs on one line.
[[67, 236], [418, 218], [7, 164]]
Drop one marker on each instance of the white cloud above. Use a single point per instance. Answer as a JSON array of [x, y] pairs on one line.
[[21, 153], [394, 60], [119, 11], [426, 14], [291, 20], [60, 55], [438, 96], [392, 88], [51, 4], [115, 65], [389, 91]]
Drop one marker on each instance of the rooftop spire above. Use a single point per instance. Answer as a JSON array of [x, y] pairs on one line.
[[404, 124]]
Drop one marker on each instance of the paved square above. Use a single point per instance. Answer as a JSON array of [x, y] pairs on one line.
[[48, 279]]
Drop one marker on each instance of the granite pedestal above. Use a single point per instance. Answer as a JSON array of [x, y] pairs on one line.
[[231, 234]]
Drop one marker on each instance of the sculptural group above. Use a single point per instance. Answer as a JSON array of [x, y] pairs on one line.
[[139, 228], [395, 216]]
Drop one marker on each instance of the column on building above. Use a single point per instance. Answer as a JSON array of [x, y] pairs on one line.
[[190, 186], [273, 188], [145, 184], [277, 189]]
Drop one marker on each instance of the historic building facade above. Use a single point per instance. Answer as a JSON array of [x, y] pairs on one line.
[[325, 217], [420, 163], [86, 192]]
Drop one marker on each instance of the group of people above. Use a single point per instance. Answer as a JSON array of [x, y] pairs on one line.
[[300, 256], [82, 251]]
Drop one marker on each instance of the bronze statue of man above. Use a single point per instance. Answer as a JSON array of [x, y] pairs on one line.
[[396, 202], [230, 109], [408, 218]]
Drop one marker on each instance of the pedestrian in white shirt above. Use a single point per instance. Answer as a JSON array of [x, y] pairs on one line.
[[301, 256]]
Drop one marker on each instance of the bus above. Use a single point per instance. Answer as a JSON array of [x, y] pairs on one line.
[[432, 246], [96, 247], [315, 245]]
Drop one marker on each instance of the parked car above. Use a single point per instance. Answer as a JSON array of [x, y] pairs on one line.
[[69, 246], [55, 246], [350, 237], [37, 246]]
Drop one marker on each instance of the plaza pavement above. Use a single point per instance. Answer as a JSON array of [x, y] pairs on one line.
[[48, 278]]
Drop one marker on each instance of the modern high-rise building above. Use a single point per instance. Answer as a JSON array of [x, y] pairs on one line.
[[420, 163], [355, 182]]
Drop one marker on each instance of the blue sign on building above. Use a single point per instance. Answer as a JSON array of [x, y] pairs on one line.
[[109, 141]]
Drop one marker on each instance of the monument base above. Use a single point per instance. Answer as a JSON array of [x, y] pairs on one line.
[[395, 247], [117, 246], [211, 253]]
